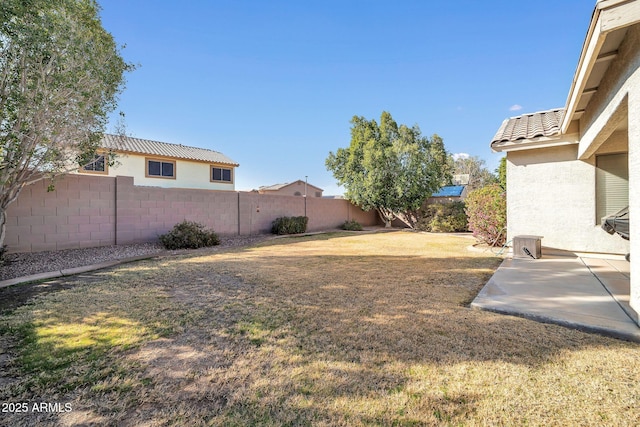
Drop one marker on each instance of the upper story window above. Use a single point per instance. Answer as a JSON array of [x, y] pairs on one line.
[[98, 165], [161, 168], [220, 174]]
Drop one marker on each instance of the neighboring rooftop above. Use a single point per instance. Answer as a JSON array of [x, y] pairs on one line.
[[157, 148], [276, 187], [529, 126], [450, 191], [461, 179]]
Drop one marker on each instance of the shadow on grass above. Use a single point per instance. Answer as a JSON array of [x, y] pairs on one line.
[[394, 350], [267, 338]]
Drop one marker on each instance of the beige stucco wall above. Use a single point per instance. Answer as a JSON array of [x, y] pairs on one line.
[[634, 194], [614, 108], [189, 174], [552, 194]]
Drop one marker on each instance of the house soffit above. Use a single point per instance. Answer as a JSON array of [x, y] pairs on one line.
[[608, 52], [607, 30]]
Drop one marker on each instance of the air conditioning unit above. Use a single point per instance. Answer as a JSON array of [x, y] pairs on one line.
[[527, 247]]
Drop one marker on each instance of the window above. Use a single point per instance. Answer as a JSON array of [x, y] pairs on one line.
[[219, 174], [161, 168], [98, 165], [612, 184]]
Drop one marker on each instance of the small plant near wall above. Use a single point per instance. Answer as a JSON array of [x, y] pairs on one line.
[[444, 218], [189, 235], [487, 212], [289, 225], [352, 225]]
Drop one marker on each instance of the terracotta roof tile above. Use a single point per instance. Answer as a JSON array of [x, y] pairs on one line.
[[274, 187], [145, 146], [528, 126]]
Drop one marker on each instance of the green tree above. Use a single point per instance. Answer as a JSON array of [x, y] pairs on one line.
[[502, 173], [390, 168], [60, 76], [479, 175]]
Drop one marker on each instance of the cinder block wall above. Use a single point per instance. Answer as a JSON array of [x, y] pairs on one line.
[[79, 213], [87, 211]]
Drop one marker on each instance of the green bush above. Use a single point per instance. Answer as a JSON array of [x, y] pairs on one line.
[[289, 225], [487, 212], [444, 218], [189, 235], [352, 225]]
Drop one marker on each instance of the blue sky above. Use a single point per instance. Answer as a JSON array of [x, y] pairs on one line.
[[273, 84]]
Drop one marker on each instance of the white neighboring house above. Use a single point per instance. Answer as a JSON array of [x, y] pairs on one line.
[[569, 167], [161, 164]]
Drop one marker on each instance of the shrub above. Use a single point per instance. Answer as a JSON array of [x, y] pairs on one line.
[[352, 225], [189, 235], [444, 218], [487, 212], [289, 225]]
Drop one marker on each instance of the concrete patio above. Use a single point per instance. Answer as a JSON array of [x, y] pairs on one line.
[[586, 293]]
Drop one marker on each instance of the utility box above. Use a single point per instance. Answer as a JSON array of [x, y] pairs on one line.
[[527, 247]]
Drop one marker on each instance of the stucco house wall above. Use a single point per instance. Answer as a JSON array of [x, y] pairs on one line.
[[551, 193], [634, 197], [616, 108], [601, 117], [189, 174], [192, 166]]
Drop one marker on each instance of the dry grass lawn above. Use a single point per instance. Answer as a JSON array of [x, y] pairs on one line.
[[329, 330]]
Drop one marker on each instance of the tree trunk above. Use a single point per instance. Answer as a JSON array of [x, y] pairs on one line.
[[386, 216], [410, 218], [3, 229], [8, 195]]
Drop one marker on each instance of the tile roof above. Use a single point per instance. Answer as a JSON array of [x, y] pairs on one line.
[[274, 186], [450, 191], [528, 126], [156, 148]]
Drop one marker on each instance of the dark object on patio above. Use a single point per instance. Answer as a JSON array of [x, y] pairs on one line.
[[617, 223]]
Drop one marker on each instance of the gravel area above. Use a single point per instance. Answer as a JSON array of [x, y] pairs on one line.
[[25, 264]]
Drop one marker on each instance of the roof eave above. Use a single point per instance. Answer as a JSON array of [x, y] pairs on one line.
[[590, 48], [139, 153], [608, 16], [531, 143]]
